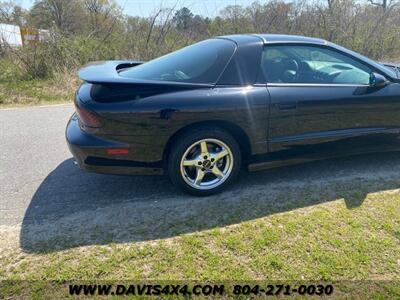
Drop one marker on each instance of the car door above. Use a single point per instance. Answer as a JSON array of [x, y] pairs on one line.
[[323, 105]]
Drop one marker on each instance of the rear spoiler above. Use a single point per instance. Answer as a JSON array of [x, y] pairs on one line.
[[106, 72]]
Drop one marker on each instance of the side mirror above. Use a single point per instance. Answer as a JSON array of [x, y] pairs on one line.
[[377, 80]]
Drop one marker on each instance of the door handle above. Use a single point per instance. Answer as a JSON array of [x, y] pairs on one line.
[[287, 106]]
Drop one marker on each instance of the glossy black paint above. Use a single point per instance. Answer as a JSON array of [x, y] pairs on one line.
[[274, 124]]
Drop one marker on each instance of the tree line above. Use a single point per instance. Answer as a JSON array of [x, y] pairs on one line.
[[87, 30]]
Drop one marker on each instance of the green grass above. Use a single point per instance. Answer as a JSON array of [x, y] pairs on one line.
[[328, 241], [17, 89], [35, 92]]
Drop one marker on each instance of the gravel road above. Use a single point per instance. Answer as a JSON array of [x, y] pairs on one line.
[[50, 204]]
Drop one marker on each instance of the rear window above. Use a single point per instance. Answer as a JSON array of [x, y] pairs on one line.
[[199, 63]]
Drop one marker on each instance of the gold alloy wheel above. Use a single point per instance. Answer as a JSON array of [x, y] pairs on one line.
[[206, 164]]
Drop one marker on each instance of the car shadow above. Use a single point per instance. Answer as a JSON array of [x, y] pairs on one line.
[[73, 208]]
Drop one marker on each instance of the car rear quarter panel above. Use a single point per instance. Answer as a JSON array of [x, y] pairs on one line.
[[150, 122]]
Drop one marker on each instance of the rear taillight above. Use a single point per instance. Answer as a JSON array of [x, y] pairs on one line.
[[117, 151], [88, 118]]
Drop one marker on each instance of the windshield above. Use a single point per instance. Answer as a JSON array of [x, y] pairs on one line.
[[199, 63], [392, 67], [378, 66]]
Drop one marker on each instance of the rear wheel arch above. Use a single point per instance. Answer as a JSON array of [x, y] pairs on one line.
[[238, 134]]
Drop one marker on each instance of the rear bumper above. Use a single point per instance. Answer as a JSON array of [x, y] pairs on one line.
[[90, 154]]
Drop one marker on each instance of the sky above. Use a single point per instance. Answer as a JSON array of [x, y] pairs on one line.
[[145, 8]]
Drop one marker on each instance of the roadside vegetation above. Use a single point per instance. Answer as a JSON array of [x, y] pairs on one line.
[[16, 89], [80, 31]]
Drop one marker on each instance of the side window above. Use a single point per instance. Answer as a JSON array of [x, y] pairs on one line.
[[311, 64]]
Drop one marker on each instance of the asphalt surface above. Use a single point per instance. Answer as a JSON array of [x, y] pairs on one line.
[[32, 144], [54, 205]]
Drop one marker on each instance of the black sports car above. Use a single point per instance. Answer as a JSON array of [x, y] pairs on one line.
[[253, 101]]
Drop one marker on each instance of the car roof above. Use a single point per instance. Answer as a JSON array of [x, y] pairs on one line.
[[274, 38], [259, 39], [285, 38]]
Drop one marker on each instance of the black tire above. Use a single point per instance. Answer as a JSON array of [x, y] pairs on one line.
[[185, 141]]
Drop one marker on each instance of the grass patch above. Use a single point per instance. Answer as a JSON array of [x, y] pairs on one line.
[[37, 91], [17, 89], [328, 241]]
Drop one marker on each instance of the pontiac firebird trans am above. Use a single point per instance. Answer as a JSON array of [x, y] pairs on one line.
[[253, 101]]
